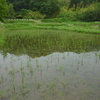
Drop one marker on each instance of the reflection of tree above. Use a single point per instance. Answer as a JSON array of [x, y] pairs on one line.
[[2, 9]]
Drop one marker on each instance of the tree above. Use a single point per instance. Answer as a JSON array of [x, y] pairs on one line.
[[85, 2], [21, 4], [48, 7], [10, 11], [21, 14], [91, 13], [2, 8]]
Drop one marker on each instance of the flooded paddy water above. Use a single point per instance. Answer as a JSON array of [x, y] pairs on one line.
[[53, 65]]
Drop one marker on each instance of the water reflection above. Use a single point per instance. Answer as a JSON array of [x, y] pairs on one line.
[[58, 76]]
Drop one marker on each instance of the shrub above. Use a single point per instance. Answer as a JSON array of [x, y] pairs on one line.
[[91, 13], [34, 15], [88, 13], [69, 15]]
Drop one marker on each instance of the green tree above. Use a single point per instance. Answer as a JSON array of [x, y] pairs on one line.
[[2, 9], [10, 11], [91, 13], [48, 7], [22, 13], [21, 4], [85, 2]]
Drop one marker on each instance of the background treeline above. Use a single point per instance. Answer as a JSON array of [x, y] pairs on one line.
[[84, 10]]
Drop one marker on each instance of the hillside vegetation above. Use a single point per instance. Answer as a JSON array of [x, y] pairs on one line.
[[71, 10]]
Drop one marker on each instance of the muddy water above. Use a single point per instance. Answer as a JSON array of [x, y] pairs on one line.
[[56, 76]]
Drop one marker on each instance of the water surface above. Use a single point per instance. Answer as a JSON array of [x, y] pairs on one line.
[[56, 76]]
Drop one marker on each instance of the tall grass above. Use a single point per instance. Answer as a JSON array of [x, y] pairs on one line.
[[90, 27], [80, 12]]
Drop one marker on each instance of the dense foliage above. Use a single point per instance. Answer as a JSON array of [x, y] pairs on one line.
[[91, 13], [48, 7], [2, 8], [84, 10], [76, 3]]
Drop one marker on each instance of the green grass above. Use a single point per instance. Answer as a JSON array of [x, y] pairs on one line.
[[60, 20], [84, 27]]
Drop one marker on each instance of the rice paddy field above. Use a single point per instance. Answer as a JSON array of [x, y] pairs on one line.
[[49, 61]]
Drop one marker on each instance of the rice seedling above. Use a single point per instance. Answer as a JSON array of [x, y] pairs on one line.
[[22, 75], [38, 85], [30, 67]]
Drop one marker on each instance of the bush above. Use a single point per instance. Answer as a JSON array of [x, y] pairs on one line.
[[91, 13], [1, 19], [34, 15], [69, 15]]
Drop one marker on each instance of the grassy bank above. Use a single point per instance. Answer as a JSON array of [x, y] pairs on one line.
[[86, 27]]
